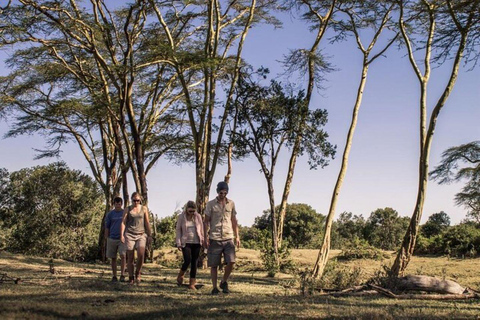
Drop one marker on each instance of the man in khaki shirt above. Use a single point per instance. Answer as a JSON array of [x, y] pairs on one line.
[[221, 229]]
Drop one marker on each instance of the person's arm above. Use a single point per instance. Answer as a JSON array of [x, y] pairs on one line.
[[235, 231], [235, 227], [146, 220], [206, 229], [122, 226], [199, 218], [178, 232]]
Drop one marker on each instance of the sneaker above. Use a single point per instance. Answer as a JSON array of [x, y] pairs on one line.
[[114, 279], [215, 291], [224, 287], [122, 278]]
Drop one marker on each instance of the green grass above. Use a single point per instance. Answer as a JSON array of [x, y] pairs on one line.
[[84, 291]]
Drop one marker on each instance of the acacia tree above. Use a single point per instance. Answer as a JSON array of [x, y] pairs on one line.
[[270, 120], [109, 55], [462, 163], [205, 51], [444, 30], [312, 63], [95, 81], [358, 15]]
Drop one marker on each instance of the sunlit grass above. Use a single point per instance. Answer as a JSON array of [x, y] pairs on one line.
[[85, 291]]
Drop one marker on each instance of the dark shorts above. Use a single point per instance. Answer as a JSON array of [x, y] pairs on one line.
[[216, 249]]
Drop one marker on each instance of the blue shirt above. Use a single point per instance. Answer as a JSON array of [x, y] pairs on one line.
[[113, 222]]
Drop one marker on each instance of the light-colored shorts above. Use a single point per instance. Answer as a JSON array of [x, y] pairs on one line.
[[216, 249], [135, 241], [114, 246]]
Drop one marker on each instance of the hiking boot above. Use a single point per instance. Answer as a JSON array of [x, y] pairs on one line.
[[114, 279], [224, 287], [122, 278], [215, 291]]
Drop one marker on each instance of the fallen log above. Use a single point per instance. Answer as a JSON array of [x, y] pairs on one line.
[[464, 296], [429, 284]]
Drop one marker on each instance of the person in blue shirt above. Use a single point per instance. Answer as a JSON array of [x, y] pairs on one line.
[[113, 223]]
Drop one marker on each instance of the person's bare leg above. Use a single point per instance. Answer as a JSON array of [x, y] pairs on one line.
[[123, 262], [214, 275], [140, 257], [228, 271], [114, 267], [130, 256]]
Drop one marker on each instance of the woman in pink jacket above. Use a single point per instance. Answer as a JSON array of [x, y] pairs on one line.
[[189, 237]]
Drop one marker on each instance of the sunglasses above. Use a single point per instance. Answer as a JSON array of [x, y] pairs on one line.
[[136, 200]]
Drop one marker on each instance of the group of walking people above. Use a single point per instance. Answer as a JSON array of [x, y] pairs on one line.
[[128, 230]]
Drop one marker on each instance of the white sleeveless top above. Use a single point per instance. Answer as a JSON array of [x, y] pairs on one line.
[[192, 236]]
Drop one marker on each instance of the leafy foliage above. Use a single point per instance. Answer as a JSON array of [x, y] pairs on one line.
[[385, 229], [252, 237], [302, 225], [361, 249], [340, 277], [462, 240], [436, 224], [285, 264], [462, 163], [346, 228], [52, 211], [166, 231]]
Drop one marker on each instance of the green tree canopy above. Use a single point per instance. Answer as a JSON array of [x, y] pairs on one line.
[[385, 229], [301, 225], [52, 211], [436, 224], [462, 163]]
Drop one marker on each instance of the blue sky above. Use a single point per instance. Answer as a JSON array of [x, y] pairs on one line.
[[383, 162]]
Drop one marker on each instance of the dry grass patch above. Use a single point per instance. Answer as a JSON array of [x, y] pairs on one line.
[[84, 291]]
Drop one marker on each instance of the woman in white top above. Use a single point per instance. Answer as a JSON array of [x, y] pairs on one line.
[[189, 237]]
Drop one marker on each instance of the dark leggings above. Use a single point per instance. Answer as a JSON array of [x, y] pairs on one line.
[[191, 252]]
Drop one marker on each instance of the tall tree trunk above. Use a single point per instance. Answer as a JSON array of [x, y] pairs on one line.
[[406, 250], [323, 255], [304, 111], [273, 215]]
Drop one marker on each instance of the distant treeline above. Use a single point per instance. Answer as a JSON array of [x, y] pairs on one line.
[[56, 212]]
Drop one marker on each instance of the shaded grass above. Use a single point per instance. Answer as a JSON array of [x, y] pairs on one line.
[[84, 291]]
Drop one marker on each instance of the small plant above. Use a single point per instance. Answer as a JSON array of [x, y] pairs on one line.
[[339, 278], [285, 264], [382, 277], [307, 282]]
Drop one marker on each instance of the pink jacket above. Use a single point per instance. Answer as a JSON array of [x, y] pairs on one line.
[[181, 229]]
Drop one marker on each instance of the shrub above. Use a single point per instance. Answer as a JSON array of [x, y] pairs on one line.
[[339, 277], [361, 249], [462, 240], [268, 258], [165, 236], [53, 211]]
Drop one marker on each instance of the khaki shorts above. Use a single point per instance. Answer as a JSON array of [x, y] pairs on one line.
[[216, 249], [114, 246], [135, 241]]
